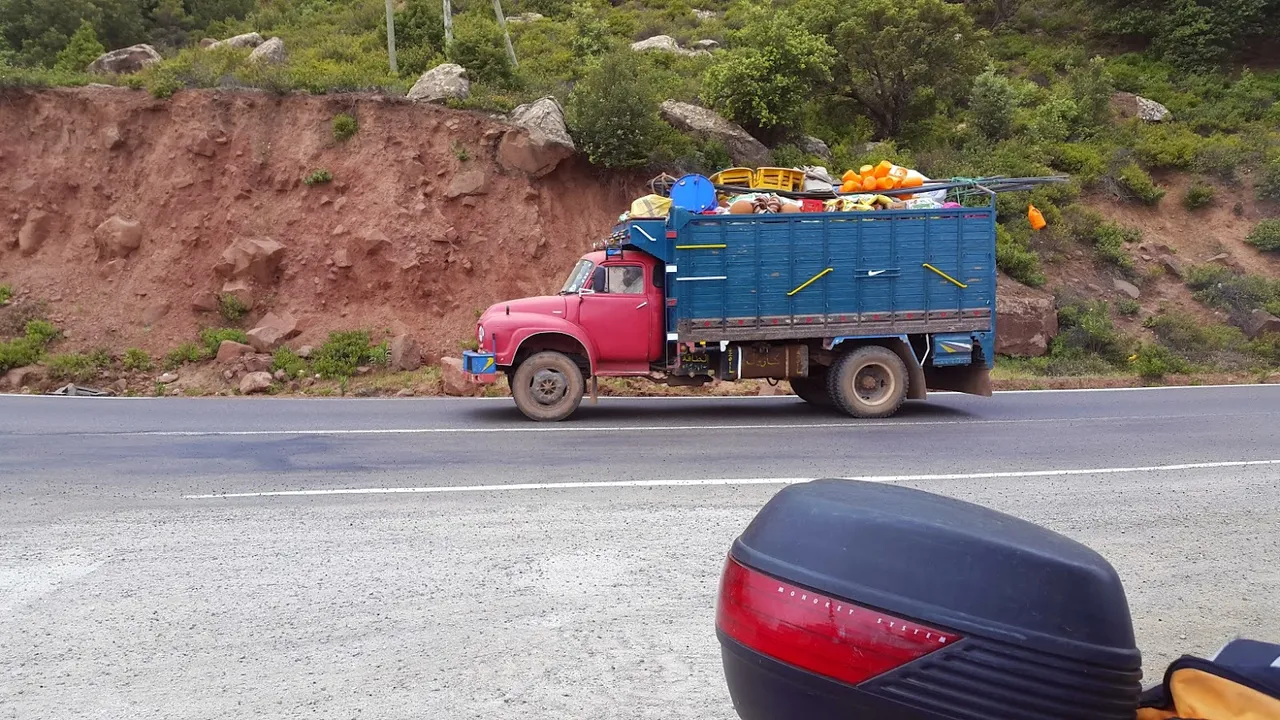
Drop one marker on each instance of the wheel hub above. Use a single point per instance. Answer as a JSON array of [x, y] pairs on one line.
[[874, 384], [549, 387]]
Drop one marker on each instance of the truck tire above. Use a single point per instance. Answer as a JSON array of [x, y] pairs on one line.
[[813, 389], [869, 382], [548, 387]]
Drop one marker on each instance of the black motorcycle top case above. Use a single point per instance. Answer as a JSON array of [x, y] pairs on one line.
[[1046, 631]]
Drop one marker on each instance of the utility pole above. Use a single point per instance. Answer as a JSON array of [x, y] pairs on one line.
[[448, 23], [391, 37], [502, 23]]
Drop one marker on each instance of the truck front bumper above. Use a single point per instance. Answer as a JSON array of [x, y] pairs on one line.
[[479, 367]]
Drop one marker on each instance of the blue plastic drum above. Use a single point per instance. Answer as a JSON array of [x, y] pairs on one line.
[[694, 193]]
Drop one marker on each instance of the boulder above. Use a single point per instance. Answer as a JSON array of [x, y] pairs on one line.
[[743, 149], [305, 351], [230, 351], [1127, 106], [704, 45], [442, 82], [34, 231], [270, 52], [544, 143], [167, 378], [18, 378], [257, 258], [207, 43], [117, 237], [704, 15], [405, 353], [469, 182], [152, 313], [1126, 287], [1172, 266], [813, 146], [528, 17], [204, 301], [257, 362], [1026, 320], [248, 40], [272, 330], [240, 290], [255, 382], [454, 380], [341, 258], [126, 60], [664, 43], [1261, 322]]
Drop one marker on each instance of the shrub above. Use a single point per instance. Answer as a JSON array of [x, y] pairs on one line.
[[1108, 239], [345, 127], [188, 352], [1086, 327], [1208, 343], [1128, 307], [73, 367], [1265, 236], [287, 360], [82, 50], [41, 332], [992, 103], [211, 338], [1137, 184], [1237, 294], [231, 308], [318, 177], [1267, 186], [342, 353], [1016, 258], [1167, 146], [1154, 361], [613, 113], [136, 360], [18, 353], [460, 151], [479, 47], [1084, 161], [6, 292], [1199, 195]]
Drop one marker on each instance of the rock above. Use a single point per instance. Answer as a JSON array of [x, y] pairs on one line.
[[743, 149], [813, 146], [1127, 106], [272, 330], [406, 354], [442, 82], [126, 60], [305, 352], [1172, 266], [705, 45], [18, 378], [280, 375], [469, 182], [341, 258], [270, 52], [704, 15], [112, 137], [120, 386], [240, 290], [544, 143], [257, 362], [528, 17], [167, 378], [204, 301], [1261, 322], [117, 237], [765, 389], [664, 43], [154, 312], [231, 351], [257, 258], [1026, 320], [455, 380], [206, 43], [1221, 259], [1127, 288], [364, 370], [248, 40], [34, 231], [255, 382]]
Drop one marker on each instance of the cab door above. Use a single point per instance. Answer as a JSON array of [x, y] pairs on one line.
[[617, 313]]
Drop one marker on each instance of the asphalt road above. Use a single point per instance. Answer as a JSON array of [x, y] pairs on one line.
[[275, 558]]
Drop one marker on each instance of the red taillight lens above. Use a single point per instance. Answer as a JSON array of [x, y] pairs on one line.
[[824, 635]]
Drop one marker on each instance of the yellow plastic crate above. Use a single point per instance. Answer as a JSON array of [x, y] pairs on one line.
[[772, 178], [738, 177]]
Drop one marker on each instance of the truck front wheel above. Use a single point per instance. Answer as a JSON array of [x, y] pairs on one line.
[[870, 382], [548, 387]]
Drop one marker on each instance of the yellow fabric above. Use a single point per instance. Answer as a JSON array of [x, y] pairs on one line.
[[1203, 696], [651, 206]]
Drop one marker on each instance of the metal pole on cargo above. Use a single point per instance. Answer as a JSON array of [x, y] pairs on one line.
[[391, 37]]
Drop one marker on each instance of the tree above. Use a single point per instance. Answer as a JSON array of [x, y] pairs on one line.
[[897, 60], [770, 70], [81, 51], [1195, 34], [169, 23], [37, 30], [206, 12], [613, 113], [478, 46], [992, 104]]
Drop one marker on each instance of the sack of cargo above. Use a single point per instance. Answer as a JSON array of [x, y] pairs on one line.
[[651, 206]]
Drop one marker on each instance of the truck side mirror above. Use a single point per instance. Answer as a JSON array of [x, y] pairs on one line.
[[598, 281]]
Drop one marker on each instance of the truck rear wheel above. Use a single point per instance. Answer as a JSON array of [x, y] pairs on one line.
[[548, 387], [812, 389], [870, 382]]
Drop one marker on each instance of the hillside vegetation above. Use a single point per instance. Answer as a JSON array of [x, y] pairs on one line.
[[968, 89]]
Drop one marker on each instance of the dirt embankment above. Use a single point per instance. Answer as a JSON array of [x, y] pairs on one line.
[[419, 228]]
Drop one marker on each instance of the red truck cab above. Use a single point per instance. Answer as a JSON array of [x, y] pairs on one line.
[[606, 321]]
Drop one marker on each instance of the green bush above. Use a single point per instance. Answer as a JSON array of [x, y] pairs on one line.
[[1267, 186], [1199, 195], [231, 308], [1083, 161], [1235, 293], [343, 352], [1265, 236], [41, 332], [187, 352], [1086, 327], [81, 50], [1167, 146], [1137, 184], [318, 177], [211, 338], [1109, 240], [19, 353], [287, 360], [136, 360], [1128, 307], [1154, 361], [6, 292], [479, 47], [1015, 257], [345, 127], [1216, 345], [992, 103], [74, 367], [613, 113]]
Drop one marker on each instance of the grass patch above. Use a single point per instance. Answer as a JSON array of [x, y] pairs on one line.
[[1198, 195], [211, 338], [29, 348], [187, 352], [136, 360], [1235, 293], [287, 360], [1153, 361], [345, 127], [1265, 236], [345, 351], [1128, 307], [1015, 256], [6, 292], [318, 177], [78, 367], [231, 308], [1136, 184]]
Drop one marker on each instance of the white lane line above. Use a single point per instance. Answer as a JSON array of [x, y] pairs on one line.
[[579, 428], [703, 482]]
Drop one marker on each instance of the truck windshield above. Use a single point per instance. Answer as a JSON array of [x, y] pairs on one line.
[[577, 278]]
